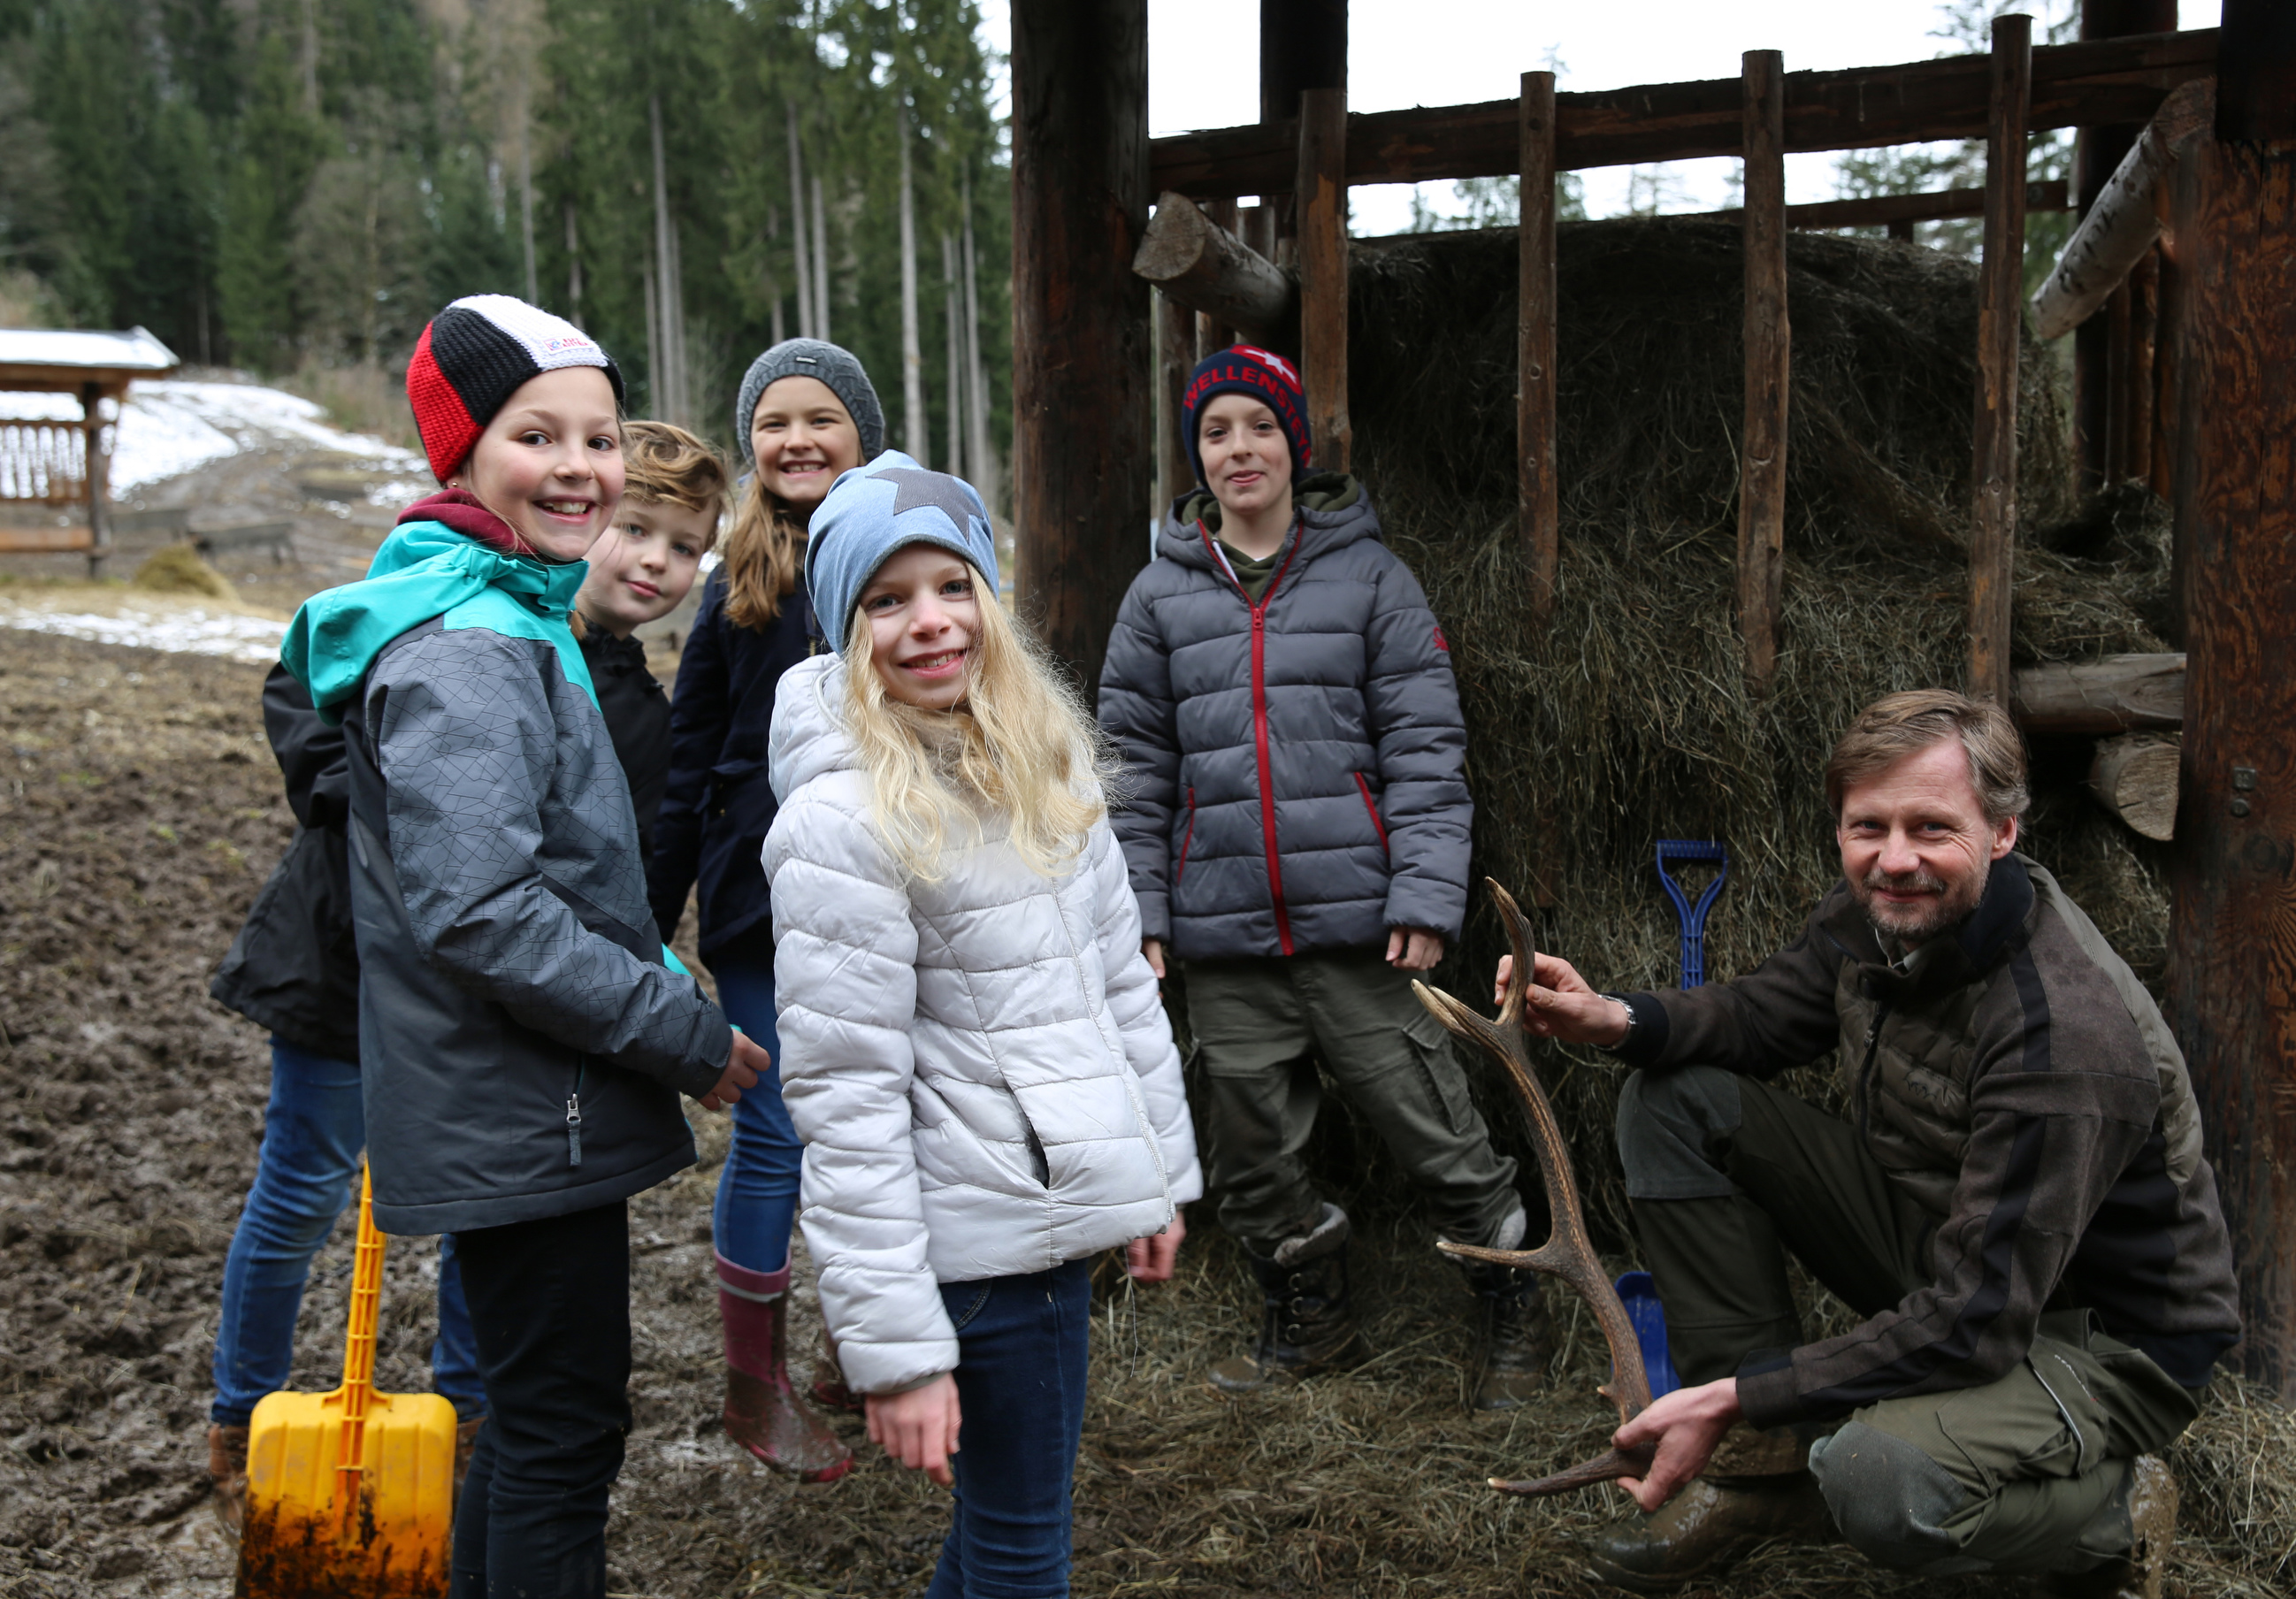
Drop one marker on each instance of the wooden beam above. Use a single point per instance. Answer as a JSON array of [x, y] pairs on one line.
[[2132, 400], [1202, 266], [2079, 84], [1894, 211], [1769, 341], [2232, 950], [1321, 192], [2000, 323], [45, 541], [1211, 334], [1081, 357], [2123, 221], [2116, 694], [2134, 777], [1538, 500], [99, 478], [1175, 358]]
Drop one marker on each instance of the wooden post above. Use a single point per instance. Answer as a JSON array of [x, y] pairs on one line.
[[1303, 45], [1176, 341], [2232, 960], [1081, 355], [2000, 321], [99, 477], [2113, 459], [1211, 334], [1769, 340], [1322, 196], [2133, 401], [2096, 152], [1538, 501]]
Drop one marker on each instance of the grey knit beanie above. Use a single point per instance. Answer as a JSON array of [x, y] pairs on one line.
[[834, 365]]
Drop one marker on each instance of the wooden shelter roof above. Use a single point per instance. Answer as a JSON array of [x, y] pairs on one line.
[[53, 360]]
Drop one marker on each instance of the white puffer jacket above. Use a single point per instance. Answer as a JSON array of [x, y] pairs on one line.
[[980, 1066]]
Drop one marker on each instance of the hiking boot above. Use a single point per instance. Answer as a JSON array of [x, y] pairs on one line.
[[1703, 1530], [1309, 1326], [1514, 1343], [227, 1465], [466, 1442], [763, 1413], [2148, 1508]]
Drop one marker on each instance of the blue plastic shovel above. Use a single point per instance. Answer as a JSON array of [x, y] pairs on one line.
[[1687, 852]]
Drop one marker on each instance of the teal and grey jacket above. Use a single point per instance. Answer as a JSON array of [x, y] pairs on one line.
[[522, 1046], [2016, 1081]]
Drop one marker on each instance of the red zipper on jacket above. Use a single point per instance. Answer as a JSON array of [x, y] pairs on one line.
[[1188, 838], [1378, 826], [1260, 722]]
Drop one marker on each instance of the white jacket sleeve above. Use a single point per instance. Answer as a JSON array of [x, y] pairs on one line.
[[1137, 1009], [845, 980]]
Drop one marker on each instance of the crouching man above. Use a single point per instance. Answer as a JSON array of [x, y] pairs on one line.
[[2015, 1200]]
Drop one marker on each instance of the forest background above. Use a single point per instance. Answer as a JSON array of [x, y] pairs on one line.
[[293, 187]]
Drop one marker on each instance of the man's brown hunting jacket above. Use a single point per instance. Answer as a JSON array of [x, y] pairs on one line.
[[2017, 1081]]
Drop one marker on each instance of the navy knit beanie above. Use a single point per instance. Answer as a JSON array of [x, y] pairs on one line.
[[832, 363], [1265, 376]]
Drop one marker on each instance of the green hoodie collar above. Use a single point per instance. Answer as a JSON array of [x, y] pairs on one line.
[[426, 569]]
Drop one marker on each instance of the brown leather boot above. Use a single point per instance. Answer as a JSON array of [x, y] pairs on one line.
[[2151, 1506], [763, 1413], [227, 1464], [1703, 1530], [1310, 1326], [1514, 1343]]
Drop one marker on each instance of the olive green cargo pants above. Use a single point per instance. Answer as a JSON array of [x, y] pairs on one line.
[[1262, 1024], [2027, 1474]]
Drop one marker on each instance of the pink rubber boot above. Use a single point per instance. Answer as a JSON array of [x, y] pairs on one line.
[[763, 1413]]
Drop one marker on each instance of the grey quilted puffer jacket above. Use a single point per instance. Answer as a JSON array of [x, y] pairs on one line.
[[979, 1065], [1295, 768]]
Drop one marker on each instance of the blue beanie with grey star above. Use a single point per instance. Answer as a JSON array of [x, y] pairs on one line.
[[876, 510]]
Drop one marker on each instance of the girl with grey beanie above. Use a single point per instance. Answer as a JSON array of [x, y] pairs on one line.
[[805, 416]]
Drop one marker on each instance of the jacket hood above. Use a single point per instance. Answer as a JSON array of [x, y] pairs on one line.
[[1333, 510], [2001, 925], [809, 737], [426, 569]]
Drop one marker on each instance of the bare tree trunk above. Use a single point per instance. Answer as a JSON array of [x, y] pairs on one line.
[[980, 451], [913, 360], [653, 340], [573, 268], [953, 321], [669, 385], [820, 262], [796, 228], [526, 177]]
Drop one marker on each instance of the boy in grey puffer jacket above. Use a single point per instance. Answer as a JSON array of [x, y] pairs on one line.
[[1297, 832]]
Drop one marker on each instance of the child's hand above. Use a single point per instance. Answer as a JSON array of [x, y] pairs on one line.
[[1413, 948], [919, 1427], [1153, 950], [1150, 1259], [744, 1067]]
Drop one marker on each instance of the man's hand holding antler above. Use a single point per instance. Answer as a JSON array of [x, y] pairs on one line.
[[1559, 1004]]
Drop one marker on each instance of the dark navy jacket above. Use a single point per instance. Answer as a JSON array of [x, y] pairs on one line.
[[637, 719], [719, 803]]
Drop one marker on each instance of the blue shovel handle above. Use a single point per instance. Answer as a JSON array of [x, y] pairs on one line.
[[1692, 918]]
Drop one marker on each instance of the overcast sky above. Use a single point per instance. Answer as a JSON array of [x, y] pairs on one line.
[[1203, 67]]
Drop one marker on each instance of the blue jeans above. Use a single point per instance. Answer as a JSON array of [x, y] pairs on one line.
[[313, 1131], [1021, 1351], [757, 1190]]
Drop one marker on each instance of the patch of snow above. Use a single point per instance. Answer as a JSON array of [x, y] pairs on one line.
[[171, 425], [194, 631]]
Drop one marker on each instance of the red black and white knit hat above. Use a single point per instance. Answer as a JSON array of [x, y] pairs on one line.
[[471, 359]]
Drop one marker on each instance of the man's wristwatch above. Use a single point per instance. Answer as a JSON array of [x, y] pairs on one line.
[[1633, 1020]]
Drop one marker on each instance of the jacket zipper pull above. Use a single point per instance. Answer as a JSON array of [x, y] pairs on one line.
[[574, 1130]]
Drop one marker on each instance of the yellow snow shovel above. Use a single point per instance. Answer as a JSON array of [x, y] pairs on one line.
[[350, 1493]]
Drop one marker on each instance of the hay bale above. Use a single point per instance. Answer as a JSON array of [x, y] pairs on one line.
[[177, 570], [1628, 721]]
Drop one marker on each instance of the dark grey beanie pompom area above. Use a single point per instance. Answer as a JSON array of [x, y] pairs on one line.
[[832, 363]]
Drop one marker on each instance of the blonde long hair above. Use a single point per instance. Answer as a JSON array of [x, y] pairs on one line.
[[1019, 744], [761, 556]]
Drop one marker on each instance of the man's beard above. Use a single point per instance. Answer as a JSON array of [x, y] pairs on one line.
[[1923, 921]]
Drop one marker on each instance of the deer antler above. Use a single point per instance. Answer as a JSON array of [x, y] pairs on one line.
[[1568, 1253]]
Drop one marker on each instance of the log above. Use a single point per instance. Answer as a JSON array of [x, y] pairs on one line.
[[2117, 693], [1768, 343], [1894, 211], [2232, 939], [1200, 265], [2123, 223], [2134, 777], [1538, 499], [1082, 364], [1321, 195], [2074, 86], [1993, 534]]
